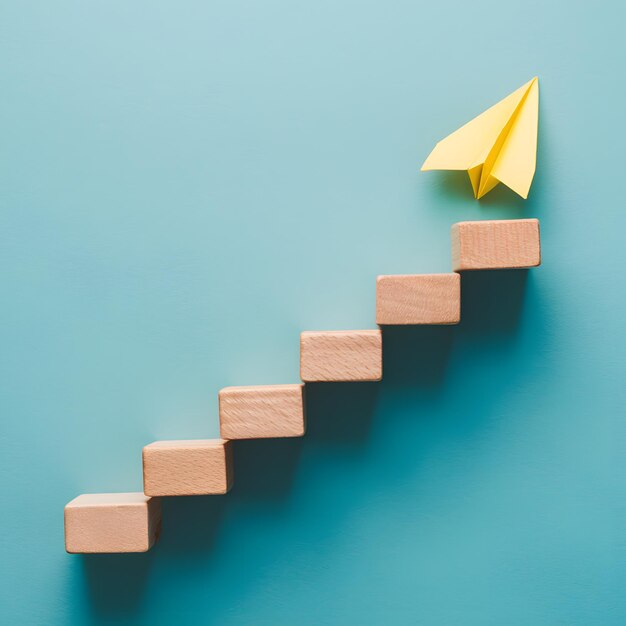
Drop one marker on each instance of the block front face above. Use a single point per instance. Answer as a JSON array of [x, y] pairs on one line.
[[495, 244], [341, 356], [187, 468], [262, 412], [418, 299], [111, 522]]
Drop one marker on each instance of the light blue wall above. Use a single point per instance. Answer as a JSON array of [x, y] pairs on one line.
[[185, 186]]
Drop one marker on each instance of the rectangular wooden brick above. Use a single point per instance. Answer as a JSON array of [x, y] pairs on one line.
[[262, 412], [187, 467], [111, 522], [418, 299], [341, 355], [495, 244]]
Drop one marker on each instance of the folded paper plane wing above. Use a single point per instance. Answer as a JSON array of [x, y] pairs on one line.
[[500, 145]]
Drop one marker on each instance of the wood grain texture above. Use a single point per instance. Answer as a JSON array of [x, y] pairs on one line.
[[262, 412], [495, 244], [418, 299], [341, 355], [111, 522], [187, 467]]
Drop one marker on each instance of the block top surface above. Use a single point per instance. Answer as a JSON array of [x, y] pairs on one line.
[[108, 499], [442, 276], [255, 389], [340, 333], [528, 220], [186, 443]]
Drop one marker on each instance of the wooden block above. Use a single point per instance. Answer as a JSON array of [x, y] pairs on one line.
[[187, 468], [341, 355], [495, 244], [262, 412], [418, 299], [111, 522]]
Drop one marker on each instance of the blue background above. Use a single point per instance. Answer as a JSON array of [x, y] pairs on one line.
[[185, 186]]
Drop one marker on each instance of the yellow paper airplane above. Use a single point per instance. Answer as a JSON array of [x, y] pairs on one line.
[[498, 146]]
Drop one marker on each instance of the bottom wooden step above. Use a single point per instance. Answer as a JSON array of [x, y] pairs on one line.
[[111, 522]]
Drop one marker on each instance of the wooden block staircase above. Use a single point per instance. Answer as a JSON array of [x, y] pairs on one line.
[[130, 522]]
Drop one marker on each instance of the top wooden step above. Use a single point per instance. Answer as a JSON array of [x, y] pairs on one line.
[[495, 244]]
